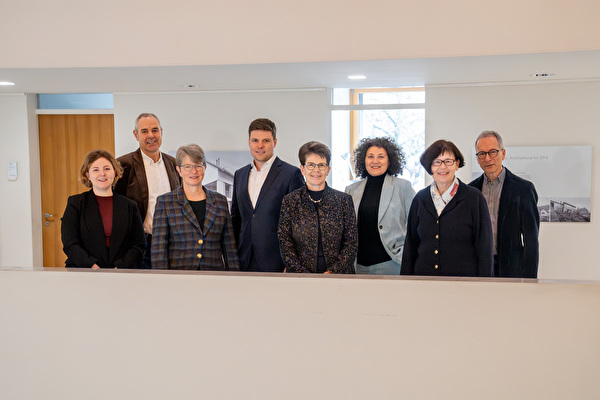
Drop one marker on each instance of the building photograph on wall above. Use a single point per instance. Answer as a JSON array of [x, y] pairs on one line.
[[562, 176]]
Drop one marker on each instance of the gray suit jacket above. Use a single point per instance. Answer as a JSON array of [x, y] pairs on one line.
[[396, 197]]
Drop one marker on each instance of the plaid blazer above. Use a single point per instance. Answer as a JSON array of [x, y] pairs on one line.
[[179, 243]]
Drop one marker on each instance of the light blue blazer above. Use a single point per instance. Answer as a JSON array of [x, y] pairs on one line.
[[396, 197]]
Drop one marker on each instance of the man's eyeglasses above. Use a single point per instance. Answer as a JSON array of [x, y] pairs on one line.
[[493, 153], [449, 162], [190, 167], [310, 166]]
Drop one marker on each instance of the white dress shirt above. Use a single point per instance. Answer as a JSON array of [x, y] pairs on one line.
[[158, 183], [257, 178]]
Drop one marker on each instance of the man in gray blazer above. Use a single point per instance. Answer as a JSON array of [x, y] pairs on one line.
[[512, 202], [258, 190]]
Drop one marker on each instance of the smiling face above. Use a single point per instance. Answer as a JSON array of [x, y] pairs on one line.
[[444, 174], [491, 166], [101, 175], [149, 136], [194, 176], [315, 178], [262, 146], [377, 161]]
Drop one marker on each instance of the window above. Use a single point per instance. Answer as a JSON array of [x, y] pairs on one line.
[[361, 113]]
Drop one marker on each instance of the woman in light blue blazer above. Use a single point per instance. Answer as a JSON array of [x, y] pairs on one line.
[[382, 202]]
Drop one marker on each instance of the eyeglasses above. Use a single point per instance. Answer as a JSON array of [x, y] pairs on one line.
[[493, 153], [190, 167], [310, 166], [448, 162]]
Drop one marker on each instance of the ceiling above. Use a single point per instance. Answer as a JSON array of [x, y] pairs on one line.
[[505, 69]]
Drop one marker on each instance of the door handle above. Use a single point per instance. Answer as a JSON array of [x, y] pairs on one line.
[[46, 215]]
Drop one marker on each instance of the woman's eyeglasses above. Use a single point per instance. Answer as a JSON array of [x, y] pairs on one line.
[[449, 162], [310, 166], [190, 167]]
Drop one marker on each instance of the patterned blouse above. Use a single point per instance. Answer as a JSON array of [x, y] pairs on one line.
[[299, 231]]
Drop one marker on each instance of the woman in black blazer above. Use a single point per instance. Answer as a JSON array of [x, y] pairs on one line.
[[101, 229]]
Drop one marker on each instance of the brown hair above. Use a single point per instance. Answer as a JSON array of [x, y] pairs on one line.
[[263, 124], [90, 158], [314, 147]]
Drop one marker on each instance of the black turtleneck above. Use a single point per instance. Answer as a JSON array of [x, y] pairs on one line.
[[370, 248]]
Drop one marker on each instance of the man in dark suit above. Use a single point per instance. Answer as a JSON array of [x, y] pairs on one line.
[[258, 191], [512, 202], [147, 173]]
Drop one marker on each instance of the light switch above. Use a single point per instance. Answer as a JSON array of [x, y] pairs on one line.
[[12, 171]]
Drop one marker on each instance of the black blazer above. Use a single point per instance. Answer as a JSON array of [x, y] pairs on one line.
[[134, 185], [518, 227], [83, 237], [255, 229]]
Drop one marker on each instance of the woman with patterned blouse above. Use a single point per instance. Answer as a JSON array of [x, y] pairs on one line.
[[317, 225]]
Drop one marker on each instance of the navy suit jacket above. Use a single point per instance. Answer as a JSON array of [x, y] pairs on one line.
[[256, 228], [179, 243], [83, 237], [518, 227]]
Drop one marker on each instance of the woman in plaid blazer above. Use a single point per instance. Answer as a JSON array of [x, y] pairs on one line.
[[192, 226]]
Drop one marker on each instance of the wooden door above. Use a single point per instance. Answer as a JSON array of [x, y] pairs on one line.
[[64, 142]]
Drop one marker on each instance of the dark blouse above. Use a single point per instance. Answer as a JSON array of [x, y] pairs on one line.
[[105, 204], [370, 248], [199, 208], [316, 197]]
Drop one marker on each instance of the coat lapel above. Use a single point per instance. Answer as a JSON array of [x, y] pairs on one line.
[[93, 220], [386, 196], [211, 210], [273, 172], [140, 176], [186, 208], [505, 195]]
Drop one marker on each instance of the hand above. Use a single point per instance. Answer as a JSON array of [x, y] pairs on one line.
[[328, 272], [95, 266]]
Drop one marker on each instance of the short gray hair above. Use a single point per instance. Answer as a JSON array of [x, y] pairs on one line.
[[494, 134], [194, 151], [146, 115]]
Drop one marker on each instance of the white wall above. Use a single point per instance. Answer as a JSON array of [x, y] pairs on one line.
[[219, 121], [530, 115], [72, 33], [20, 236], [120, 335]]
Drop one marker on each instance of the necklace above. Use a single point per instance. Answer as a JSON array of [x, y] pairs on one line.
[[313, 200]]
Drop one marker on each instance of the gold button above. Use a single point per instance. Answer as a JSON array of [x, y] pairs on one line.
[[199, 255], [435, 252], [200, 241], [437, 236], [436, 267], [437, 222]]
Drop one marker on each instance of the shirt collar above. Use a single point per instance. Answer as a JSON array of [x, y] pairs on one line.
[[267, 164], [499, 178], [148, 160]]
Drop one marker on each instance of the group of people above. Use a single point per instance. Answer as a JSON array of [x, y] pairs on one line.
[[147, 209]]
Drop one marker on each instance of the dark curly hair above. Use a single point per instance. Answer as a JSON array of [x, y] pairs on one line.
[[393, 150]]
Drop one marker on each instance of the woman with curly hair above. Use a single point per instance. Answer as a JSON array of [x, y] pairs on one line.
[[381, 203]]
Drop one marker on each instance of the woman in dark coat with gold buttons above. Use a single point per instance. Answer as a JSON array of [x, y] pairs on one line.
[[317, 225], [449, 228]]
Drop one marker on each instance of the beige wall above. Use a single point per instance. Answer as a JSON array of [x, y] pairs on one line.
[[85, 33], [106, 335]]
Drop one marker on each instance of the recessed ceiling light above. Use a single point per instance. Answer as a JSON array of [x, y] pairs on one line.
[[542, 75], [7, 83], [357, 77], [192, 86]]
